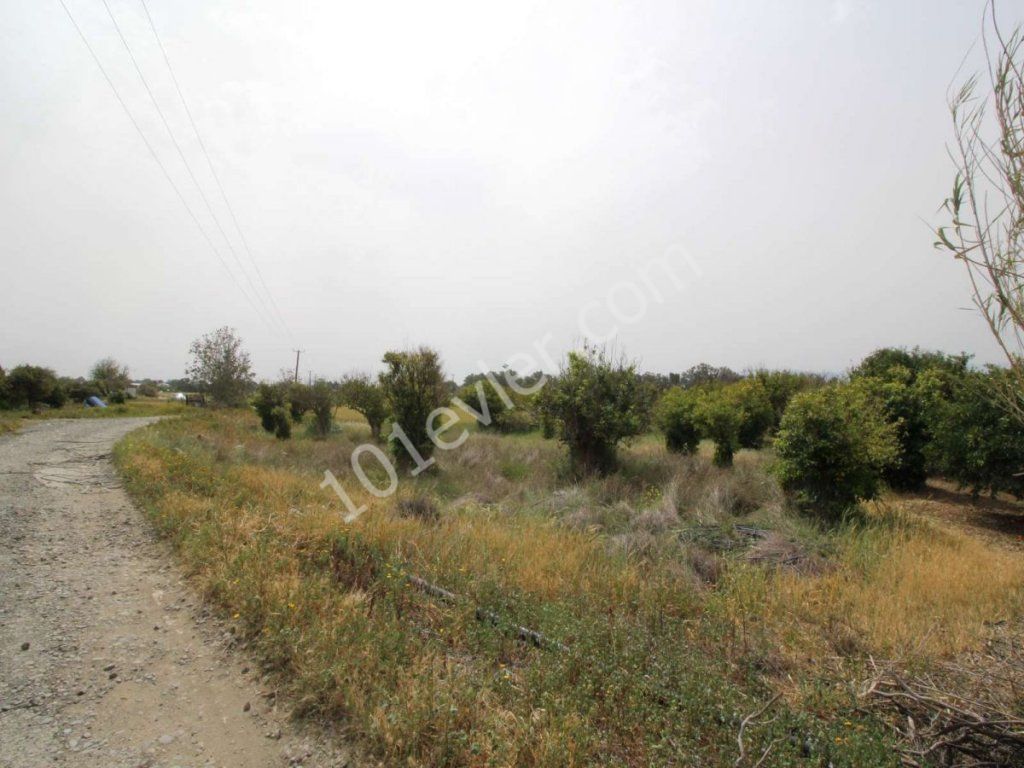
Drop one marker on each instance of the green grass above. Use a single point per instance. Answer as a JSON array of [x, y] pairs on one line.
[[659, 669]]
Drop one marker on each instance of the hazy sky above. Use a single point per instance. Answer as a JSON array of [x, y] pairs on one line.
[[474, 175]]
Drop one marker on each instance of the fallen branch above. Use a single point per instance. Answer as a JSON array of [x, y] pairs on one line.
[[523, 634], [747, 721], [945, 727]]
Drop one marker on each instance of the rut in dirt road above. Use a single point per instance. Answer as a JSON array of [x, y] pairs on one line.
[[106, 658]]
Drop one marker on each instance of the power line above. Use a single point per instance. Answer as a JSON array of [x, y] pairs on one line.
[[156, 158], [213, 170], [184, 160]]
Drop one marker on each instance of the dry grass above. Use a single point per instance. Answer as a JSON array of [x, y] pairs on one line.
[[677, 622]]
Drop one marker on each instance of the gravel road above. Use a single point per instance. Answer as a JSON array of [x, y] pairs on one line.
[[106, 656]]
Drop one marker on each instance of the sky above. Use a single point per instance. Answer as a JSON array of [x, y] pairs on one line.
[[741, 183]]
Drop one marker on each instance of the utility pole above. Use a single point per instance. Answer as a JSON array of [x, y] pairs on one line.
[[297, 353]]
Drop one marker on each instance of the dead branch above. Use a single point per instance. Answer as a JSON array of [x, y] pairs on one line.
[[943, 726], [747, 721], [523, 634]]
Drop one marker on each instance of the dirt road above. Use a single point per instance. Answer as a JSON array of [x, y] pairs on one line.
[[106, 657]]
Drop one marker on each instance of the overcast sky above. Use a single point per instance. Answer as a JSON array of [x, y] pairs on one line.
[[473, 176]]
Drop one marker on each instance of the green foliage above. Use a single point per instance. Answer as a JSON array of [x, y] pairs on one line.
[[220, 367], [5, 392], [720, 416], [977, 442], [756, 414], [675, 414], [270, 399], [300, 400], [110, 376], [282, 423], [496, 415], [597, 403], [893, 377], [148, 389], [881, 362], [79, 389], [781, 386], [414, 385], [832, 448], [322, 402], [32, 386], [366, 396], [704, 374]]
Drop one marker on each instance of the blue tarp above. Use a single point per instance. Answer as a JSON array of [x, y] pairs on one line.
[[94, 402]]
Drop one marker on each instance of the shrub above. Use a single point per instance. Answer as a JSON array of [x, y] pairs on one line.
[[221, 367], [299, 400], [79, 389], [903, 408], [282, 424], [976, 442], [414, 385], [596, 403], [117, 398], [269, 399], [832, 447], [719, 415], [755, 410], [481, 395], [895, 377], [322, 401], [5, 391], [479, 392], [781, 386], [32, 386], [366, 396], [675, 415], [110, 376], [148, 389], [703, 374]]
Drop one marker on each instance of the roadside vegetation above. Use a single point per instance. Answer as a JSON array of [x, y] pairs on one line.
[[608, 595]]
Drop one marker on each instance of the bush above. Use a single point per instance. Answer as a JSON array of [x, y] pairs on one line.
[[79, 389], [479, 394], [832, 447], [322, 401], [895, 378], [719, 416], [268, 400], [221, 367], [503, 418], [904, 409], [675, 415], [117, 398], [148, 389], [300, 400], [414, 385], [976, 442], [5, 391], [596, 403], [110, 377], [757, 416], [282, 424], [31, 386], [781, 386], [360, 393]]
